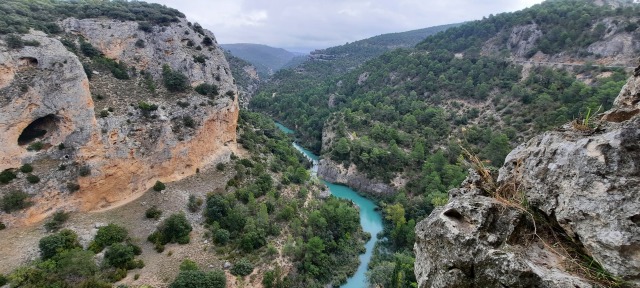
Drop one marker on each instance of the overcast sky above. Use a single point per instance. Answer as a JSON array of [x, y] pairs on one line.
[[304, 25]]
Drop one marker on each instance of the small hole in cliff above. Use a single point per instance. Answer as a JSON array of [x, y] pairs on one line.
[[635, 219], [453, 213], [28, 61], [38, 128]]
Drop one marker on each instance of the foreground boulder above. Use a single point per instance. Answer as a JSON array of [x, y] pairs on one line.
[[583, 181]]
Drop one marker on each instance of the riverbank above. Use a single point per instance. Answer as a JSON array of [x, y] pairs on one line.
[[370, 219]]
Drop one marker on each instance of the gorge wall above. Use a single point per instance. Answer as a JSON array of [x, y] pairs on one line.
[[581, 179], [97, 143]]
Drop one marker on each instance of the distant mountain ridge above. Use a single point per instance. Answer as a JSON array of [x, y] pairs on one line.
[[265, 58]]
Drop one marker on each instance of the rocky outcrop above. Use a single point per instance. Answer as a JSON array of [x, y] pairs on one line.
[[585, 180], [93, 158], [335, 173], [475, 241]]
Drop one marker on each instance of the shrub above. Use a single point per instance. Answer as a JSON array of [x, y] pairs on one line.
[[56, 222], [104, 113], [199, 279], [194, 203], [220, 166], [26, 168], [55, 244], [2, 226], [159, 186], [35, 146], [183, 104], [199, 59], [121, 255], [230, 93], [70, 44], [14, 201], [188, 121], [108, 235], [87, 70], [207, 89], [3, 280], [242, 268], [73, 187], [14, 41], [6, 176], [88, 49], [207, 41], [84, 171], [188, 265], [174, 81], [33, 179], [174, 229], [140, 43], [33, 43], [146, 107], [76, 263], [221, 236], [145, 26], [153, 213]]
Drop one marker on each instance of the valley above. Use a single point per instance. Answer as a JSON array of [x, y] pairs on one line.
[[137, 151]]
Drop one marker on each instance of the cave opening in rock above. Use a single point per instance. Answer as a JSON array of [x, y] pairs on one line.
[[38, 128]]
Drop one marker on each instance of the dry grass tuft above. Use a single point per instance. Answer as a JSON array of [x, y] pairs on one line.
[[576, 259]]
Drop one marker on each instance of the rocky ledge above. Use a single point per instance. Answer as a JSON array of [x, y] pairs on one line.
[[583, 181]]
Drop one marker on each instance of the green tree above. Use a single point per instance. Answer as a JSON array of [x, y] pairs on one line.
[[57, 243], [199, 279], [119, 255], [497, 149], [108, 235]]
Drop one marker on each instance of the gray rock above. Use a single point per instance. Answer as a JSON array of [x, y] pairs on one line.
[[473, 242], [586, 180], [333, 172]]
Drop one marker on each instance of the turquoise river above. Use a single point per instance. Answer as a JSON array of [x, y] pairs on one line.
[[370, 219]]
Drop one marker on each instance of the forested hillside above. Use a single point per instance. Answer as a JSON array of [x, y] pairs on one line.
[[406, 117]]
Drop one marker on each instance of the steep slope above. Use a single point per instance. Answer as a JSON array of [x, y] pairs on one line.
[[312, 76], [246, 78], [101, 142], [563, 212], [266, 59]]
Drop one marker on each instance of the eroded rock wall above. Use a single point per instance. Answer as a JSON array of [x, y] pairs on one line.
[[107, 160]]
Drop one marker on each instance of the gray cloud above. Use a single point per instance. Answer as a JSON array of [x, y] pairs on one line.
[[307, 25]]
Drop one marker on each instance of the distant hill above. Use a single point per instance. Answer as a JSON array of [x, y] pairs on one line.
[[265, 58]]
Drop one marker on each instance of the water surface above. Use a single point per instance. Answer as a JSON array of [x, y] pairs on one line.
[[370, 220]]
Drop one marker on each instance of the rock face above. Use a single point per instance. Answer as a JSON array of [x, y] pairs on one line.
[[334, 172], [109, 158], [585, 181]]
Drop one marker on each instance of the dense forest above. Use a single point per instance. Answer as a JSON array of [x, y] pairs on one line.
[[409, 115]]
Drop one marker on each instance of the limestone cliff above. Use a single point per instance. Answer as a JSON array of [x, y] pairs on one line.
[[583, 181], [96, 144]]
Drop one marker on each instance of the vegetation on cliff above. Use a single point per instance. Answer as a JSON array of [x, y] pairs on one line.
[[18, 16]]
